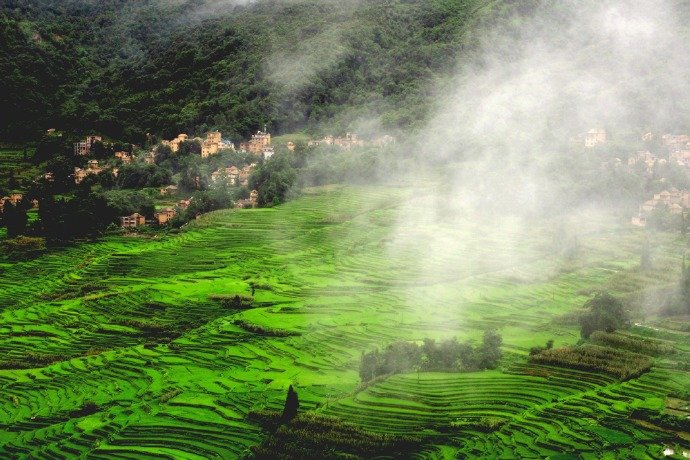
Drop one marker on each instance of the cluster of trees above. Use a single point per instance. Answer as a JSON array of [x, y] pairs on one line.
[[446, 356]]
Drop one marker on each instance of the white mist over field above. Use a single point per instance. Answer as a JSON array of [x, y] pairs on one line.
[[503, 130]]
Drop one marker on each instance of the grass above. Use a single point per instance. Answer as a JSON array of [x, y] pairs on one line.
[[139, 334]]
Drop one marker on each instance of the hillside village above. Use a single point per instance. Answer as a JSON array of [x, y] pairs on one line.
[[675, 153], [217, 163], [211, 163]]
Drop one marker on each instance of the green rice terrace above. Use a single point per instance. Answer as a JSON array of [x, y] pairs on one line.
[[162, 346]]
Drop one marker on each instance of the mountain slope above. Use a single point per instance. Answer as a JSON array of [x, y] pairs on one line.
[[125, 67]]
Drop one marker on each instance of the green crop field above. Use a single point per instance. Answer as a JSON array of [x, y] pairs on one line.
[[118, 348]]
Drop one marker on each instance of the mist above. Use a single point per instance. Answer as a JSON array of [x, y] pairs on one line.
[[504, 132]]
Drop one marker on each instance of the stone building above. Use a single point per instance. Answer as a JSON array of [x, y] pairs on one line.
[[174, 144], [91, 168], [164, 216], [133, 221], [257, 143], [184, 204], [125, 157], [211, 145], [674, 201], [169, 190], [84, 147], [594, 137], [231, 175], [250, 202]]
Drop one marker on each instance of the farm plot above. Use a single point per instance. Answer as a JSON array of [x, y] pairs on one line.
[[117, 348]]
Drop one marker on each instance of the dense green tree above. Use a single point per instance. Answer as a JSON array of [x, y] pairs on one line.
[[14, 217], [604, 313], [490, 351], [274, 180]]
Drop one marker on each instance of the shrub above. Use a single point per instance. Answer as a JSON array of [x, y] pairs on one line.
[[24, 247], [233, 300], [263, 330], [618, 363], [635, 344]]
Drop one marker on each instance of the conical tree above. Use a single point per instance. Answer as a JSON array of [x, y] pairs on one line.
[[291, 405]]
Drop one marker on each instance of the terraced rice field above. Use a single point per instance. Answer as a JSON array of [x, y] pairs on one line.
[[138, 362], [13, 164]]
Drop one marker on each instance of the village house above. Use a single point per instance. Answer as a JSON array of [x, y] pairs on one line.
[[675, 141], [231, 175], [150, 158], [647, 158], [169, 190], [48, 177], [639, 221], [184, 204], [346, 143], [84, 147], [257, 143], [174, 144], [125, 157], [674, 200], [350, 140], [91, 168], [327, 140], [14, 198], [268, 152], [383, 141], [211, 145], [245, 173], [164, 216], [594, 137], [680, 157], [133, 221], [291, 146], [250, 202]]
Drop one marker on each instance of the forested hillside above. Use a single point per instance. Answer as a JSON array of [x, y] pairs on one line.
[[125, 68]]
